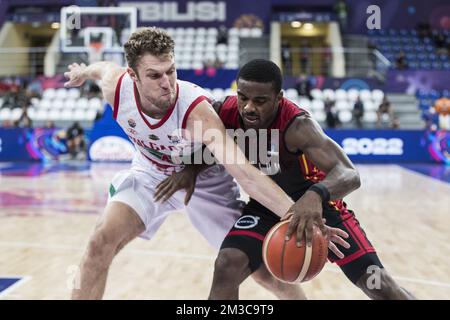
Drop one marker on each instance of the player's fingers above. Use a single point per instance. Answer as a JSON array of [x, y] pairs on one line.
[[300, 232], [340, 241], [287, 216], [338, 232], [188, 196], [163, 189], [163, 183], [83, 65], [169, 193], [309, 232], [319, 222], [291, 227], [335, 250]]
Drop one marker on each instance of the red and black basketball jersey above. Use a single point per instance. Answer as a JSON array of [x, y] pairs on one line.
[[296, 172]]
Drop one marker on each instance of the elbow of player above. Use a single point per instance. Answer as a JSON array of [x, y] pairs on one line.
[[356, 180]]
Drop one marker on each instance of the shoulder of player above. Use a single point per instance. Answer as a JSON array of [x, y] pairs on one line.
[[190, 92], [302, 131], [110, 83]]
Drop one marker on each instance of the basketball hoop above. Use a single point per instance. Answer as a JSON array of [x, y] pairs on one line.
[[96, 52]]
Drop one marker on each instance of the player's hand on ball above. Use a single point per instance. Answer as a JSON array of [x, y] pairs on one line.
[[185, 179], [75, 75], [304, 214]]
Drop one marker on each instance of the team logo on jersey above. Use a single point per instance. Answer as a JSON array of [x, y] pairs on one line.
[[246, 222], [153, 137], [173, 139], [132, 131], [131, 123]]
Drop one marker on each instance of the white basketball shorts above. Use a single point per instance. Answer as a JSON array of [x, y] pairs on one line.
[[213, 209]]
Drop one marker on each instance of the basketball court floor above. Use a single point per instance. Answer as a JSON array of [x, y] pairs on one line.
[[48, 211]]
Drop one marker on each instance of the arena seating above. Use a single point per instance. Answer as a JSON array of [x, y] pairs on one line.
[[197, 46], [421, 53]]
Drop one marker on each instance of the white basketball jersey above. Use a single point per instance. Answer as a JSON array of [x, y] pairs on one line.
[[159, 140]]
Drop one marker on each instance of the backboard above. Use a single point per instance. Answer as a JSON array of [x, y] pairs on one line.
[[81, 27]]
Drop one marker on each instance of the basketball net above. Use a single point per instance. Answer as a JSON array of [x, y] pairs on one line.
[[95, 52]]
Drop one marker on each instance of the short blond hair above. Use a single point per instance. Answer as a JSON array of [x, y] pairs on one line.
[[147, 40]]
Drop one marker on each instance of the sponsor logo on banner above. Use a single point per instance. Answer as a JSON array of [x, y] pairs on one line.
[[377, 146], [204, 11], [246, 222], [111, 148]]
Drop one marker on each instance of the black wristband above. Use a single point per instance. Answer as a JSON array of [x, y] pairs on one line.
[[321, 190]]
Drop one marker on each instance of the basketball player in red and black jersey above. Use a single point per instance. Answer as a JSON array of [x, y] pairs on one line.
[[314, 171]]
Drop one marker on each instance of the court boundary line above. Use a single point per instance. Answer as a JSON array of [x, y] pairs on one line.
[[7, 291]]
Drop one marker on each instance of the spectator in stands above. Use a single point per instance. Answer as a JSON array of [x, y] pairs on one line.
[[340, 9], [222, 35], [286, 57], [305, 53], [303, 86], [7, 124], [34, 89], [385, 110], [24, 120], [401, 61], [371, 47], [90, 90], [440, 42], [75, 139], [358, 112], [49, 125], [424, 29], [332, 118]]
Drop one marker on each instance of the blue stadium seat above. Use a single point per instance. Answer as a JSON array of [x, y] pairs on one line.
[[436, 65], [413, 65], [421, 56], [425, 65], [420, 48], [392, 32], [434, 94], [422, 95], [429, 48], [408, 48]]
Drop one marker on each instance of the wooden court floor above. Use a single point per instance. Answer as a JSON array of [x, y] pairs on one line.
[[47, 215]]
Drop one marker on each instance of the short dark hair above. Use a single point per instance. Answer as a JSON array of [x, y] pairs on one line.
[[261, 70]]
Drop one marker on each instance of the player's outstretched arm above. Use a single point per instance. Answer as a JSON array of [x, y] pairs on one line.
[[107, 72], [211, 131]]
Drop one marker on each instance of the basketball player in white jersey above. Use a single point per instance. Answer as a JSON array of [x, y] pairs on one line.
[[151, 106]]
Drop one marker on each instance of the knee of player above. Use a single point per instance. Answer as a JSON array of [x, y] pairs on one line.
[[229, 264], [100, 245]]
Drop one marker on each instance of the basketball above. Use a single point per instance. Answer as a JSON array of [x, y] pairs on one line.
[[289, 263]]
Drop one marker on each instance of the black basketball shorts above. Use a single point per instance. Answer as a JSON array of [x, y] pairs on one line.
[[249, 231]]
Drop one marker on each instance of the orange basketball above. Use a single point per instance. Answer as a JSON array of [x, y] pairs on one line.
[[289, 263]]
